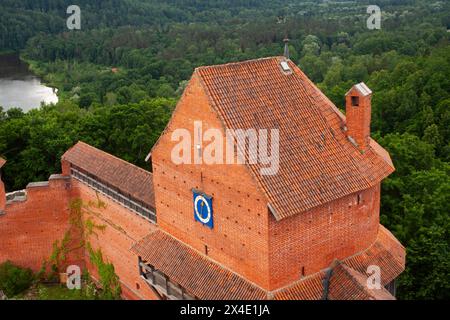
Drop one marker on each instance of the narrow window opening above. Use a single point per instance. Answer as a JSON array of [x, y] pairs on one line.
[[355, 101], [206, 249]]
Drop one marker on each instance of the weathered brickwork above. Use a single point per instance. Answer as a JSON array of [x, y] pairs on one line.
[[29, 228], [305, 244]]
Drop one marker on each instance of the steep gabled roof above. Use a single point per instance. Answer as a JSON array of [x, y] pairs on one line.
[[318, 163], [120, 174]]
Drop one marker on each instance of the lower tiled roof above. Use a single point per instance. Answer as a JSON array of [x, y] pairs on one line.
[[126, 177], [348, 284], [197, 274], [310, 288], [206, 279], [386, 252]]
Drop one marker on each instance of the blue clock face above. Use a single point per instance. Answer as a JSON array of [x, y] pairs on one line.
[[203, 212]]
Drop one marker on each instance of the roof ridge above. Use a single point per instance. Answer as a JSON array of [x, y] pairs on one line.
[[353, 273], [109, 155], [243, 62], [322, 116], [356, 277], [126, 177]]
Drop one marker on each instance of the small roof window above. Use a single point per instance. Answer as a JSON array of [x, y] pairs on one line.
[[285, 66]]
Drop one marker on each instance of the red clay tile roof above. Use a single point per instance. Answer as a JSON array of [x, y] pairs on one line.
[[310, 288], [348, 284], [205, 279], [122, 175], [318, 163], [387, 253], [196, 273]]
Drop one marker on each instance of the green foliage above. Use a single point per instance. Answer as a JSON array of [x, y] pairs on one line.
[[59, 252], [109, 281], [429, 257], [13, 279], [33, 143], [61, 292]]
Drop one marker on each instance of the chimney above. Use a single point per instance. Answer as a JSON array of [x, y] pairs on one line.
[[358, 109], [2, 189]]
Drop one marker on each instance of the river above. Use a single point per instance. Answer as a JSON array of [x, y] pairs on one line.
[[19, 87]]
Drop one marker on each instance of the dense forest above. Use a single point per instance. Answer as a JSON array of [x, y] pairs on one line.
[[119, 78]]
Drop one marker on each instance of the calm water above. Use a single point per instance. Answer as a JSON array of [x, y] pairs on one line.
[[20, 88]]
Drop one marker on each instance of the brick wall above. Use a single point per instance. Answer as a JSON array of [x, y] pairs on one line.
[[122, 228], [309, 242], [29, 228], [246, 238], [358, 117], [239, 239]]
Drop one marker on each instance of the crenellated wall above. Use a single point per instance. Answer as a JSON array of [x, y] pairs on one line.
[[40, 215], [32, 223]]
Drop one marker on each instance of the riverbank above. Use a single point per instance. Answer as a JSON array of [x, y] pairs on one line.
[[35, 68], [66, 76], [22, 85]]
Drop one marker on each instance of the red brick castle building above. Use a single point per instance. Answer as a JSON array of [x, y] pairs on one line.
[[310, 231]]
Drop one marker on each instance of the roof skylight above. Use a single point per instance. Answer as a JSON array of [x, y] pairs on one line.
[[285, 66]]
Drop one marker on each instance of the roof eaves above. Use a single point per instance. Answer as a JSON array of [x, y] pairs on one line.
[[274, 212]]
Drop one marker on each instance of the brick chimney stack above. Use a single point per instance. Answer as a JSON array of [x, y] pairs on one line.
[[2, 189], [358, 109]]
